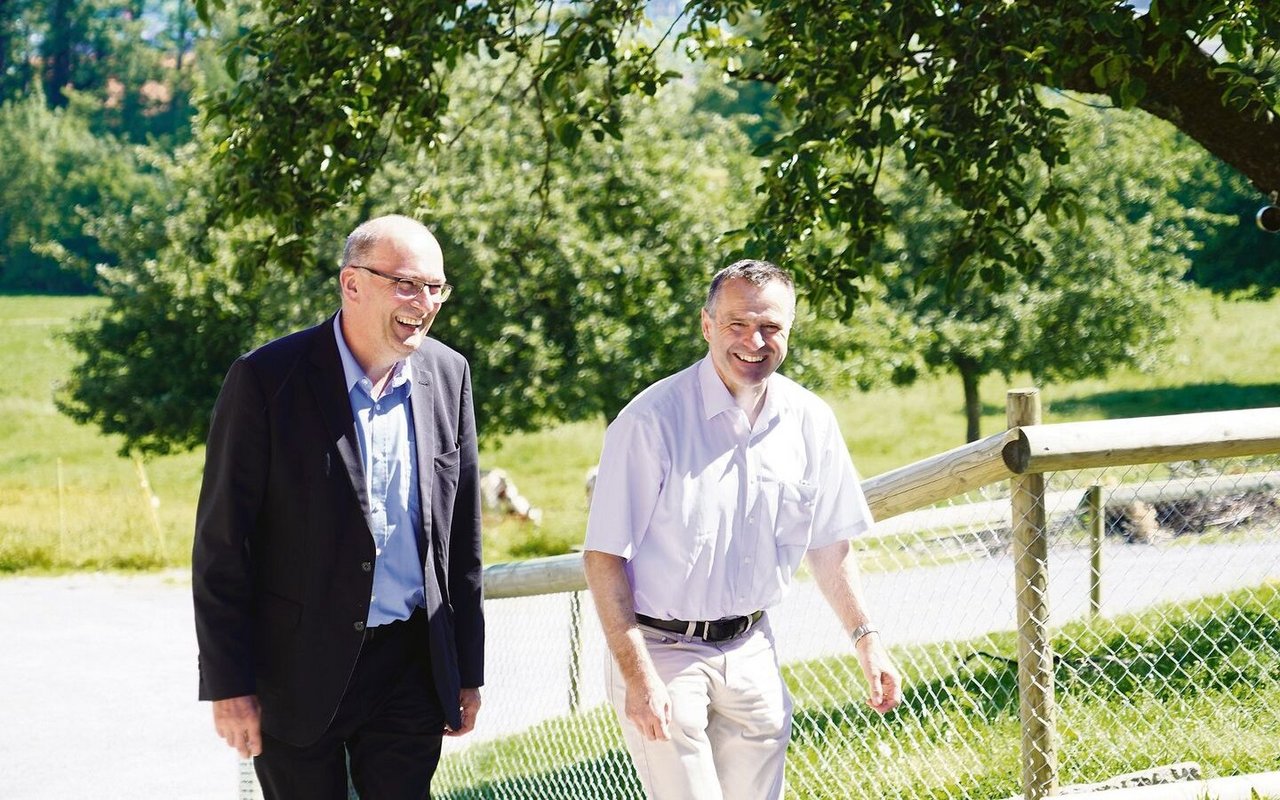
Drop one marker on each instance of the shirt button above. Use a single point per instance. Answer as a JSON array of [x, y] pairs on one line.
[[378, 552], [367, 566], [751, 519], [359, 626]]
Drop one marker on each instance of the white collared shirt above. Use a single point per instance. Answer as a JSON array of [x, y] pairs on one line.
[[713, 515]]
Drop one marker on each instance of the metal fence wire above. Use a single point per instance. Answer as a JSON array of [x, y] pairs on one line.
[[1164, 620]]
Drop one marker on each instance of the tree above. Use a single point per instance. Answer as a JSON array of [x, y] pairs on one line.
[[579, 277], [954, 89], [126, 62], [16, 53], [55, 174], [1109, 295]]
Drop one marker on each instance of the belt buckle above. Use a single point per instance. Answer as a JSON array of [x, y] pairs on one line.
[[724, 630]]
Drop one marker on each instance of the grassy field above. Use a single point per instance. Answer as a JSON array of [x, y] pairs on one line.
[[69, 500], [1195, 682]]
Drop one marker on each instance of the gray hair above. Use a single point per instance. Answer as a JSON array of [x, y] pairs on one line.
[[759, 273], [369, 233]]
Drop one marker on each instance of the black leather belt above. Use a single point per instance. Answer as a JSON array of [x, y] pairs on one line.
[[716, 630]]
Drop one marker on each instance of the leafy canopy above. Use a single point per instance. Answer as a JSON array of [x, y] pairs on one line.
[[955, 89]]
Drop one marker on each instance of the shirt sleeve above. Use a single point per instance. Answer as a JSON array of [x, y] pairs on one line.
[[628, 482], [841, 511]]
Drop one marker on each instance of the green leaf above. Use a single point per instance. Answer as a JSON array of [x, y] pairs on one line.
[[567, 132]]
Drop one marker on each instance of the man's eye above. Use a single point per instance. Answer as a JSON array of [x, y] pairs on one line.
[[410, 286]]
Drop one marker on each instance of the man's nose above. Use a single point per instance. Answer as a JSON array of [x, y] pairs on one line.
[[425, 299], [757, 339]]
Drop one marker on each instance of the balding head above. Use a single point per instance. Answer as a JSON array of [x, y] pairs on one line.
[[404, 230]]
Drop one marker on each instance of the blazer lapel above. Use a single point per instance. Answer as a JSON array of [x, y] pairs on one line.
[[328, 383], [422, 401]]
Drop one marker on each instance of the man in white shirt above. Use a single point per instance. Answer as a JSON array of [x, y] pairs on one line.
[[713, 483]]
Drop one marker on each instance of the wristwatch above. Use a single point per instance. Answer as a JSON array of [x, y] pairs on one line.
[[862, 630]]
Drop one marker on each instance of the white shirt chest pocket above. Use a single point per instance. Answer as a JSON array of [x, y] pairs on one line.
[[793, 503]]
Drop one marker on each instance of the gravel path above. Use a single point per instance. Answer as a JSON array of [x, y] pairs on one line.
[[97, 692]]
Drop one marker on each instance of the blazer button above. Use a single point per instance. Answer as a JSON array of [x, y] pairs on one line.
[[367, 566], [359, 626]]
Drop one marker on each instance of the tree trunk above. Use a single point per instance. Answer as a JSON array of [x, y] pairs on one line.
[[970, 376], [57, 53]]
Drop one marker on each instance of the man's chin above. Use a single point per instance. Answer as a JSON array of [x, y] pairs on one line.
[[414, 340]]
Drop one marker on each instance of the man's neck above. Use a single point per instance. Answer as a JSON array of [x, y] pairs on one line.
[[378, 372], [751, 400]]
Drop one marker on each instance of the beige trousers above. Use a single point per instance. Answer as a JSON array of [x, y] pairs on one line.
[[731, 718]]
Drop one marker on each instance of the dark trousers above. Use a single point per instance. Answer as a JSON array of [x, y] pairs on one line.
[[388, 727]]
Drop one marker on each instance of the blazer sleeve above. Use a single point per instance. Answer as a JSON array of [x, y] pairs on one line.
[[236, 463], [465, 569]]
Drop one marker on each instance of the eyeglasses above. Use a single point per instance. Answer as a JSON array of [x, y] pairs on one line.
[[408, 288]]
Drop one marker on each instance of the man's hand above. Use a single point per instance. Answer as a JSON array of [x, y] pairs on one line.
[[238, 720], [648, 705], [649, 708], [882, 676], [469, 702]]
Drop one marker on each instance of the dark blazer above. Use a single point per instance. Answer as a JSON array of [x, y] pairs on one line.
[[282, 567]]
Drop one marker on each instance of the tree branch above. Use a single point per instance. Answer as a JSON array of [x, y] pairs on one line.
[[1188, 91]]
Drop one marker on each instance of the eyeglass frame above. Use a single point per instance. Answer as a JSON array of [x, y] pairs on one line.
[[439, 292]]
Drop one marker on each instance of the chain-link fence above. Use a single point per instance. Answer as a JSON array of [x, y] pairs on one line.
[[1163, 603]]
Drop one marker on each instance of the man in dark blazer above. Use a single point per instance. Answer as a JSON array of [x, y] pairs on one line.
[[336, 568]]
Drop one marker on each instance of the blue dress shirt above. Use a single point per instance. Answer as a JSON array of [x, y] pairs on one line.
[[384, 427]]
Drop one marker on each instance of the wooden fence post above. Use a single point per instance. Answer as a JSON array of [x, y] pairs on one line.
[[1031, 584], [1097, 532]]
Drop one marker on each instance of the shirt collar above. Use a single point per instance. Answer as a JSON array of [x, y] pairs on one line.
[[716, 398], [401, 373]]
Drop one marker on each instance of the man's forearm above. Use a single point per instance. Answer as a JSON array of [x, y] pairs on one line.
[[836, 573], [611, 593]]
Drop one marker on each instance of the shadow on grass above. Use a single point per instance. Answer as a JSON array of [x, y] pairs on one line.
[[1230, 653], [1174, 400], [609, 777], [984, 685]]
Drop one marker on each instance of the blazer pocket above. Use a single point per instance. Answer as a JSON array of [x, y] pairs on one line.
[[447, 461], [279, 612]]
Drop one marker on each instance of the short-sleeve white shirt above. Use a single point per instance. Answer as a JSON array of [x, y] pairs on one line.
[[713, 515]]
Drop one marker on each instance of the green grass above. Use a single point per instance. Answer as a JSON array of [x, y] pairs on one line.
[[1193, 682], [100, 518], [1227, 357]]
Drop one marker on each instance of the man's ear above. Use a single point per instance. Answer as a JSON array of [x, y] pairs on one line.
[[706, 326], [348, 284]]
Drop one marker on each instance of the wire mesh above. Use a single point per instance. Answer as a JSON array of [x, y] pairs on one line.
[[1165, 634]]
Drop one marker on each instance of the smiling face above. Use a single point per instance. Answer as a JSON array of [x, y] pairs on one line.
[[380, 326], [746, 332]]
